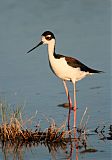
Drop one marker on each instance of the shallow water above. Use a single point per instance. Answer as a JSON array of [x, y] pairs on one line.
[[82, 30]]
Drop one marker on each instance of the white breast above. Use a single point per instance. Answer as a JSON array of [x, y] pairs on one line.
[[61, 68], [66, 72]]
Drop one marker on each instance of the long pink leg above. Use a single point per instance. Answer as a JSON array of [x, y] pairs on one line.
[[70, 103], [75, 107]]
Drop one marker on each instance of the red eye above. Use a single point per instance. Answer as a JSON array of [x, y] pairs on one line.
[[48, 38]]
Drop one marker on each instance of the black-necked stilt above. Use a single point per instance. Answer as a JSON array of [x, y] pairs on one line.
[[66, 68]]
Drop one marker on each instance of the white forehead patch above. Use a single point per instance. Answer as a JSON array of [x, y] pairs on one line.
[[48, 36]]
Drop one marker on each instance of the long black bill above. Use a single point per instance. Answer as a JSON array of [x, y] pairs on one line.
[[35, 47]]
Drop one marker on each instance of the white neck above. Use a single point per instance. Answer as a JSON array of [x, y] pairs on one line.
[[51, 48]]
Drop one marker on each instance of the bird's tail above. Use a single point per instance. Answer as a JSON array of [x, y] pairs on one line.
[[95, 71]]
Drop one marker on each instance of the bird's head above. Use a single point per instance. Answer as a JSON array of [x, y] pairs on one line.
[[46, 38]]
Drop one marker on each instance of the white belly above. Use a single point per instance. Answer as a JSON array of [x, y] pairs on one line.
[[66, 72]]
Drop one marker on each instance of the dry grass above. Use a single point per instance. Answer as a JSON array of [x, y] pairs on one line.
[[12, 129], [13, 133], [14, 136]]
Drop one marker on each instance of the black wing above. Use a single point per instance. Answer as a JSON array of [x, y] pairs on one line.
[[77, 64]]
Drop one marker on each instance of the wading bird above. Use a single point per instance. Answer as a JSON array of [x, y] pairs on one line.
[[64, 67]]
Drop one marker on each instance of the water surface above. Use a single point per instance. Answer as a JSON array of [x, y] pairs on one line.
[[82, 30]]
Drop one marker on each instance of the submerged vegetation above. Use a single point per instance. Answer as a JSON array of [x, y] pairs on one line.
[[14, 134]]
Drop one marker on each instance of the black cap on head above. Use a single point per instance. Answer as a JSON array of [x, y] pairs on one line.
[[48, 33]]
